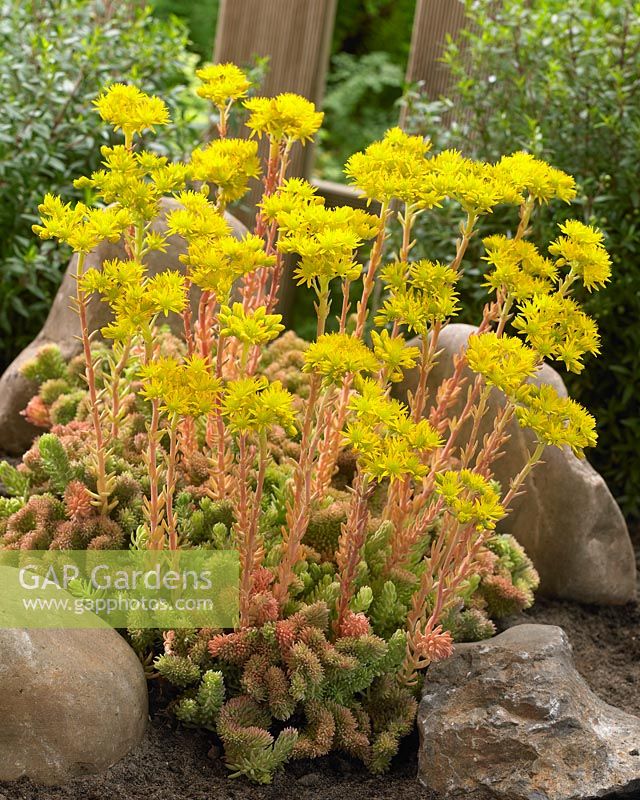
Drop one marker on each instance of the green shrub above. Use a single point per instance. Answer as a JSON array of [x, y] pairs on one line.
[[200, 17], [54, 58], [561, 79]]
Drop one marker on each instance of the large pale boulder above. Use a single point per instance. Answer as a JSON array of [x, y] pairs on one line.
[[567, 519], [511, 719], [72, 702], [62, 328]]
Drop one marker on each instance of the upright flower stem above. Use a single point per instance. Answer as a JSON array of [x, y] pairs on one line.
[[251, 551], [102, 481], [516, 483], [171, 483], [352, 539], [369, 278], [299, 509], [156, 534]]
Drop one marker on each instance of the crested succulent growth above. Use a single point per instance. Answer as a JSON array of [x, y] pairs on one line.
[[367, 530]]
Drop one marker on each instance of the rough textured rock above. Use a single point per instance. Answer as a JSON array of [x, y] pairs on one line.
[[567, 519], [62, 328], [511, 719], [72, 702]]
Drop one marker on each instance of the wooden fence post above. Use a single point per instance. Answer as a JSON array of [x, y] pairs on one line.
[[433, 20]]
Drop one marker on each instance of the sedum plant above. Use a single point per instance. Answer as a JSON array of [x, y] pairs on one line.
[[366, 527]]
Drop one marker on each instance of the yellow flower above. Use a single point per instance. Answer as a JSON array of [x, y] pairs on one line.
[[198, 219], [80, 227], [228, 164], [250, 327], [255, 405], [475, 185], [167, 291], [395, 167], [555, 420], [293, 195], [503, 361], [184, 389], [287, 117], [470, 498], [114, 276], [216, 263], [518, 267], [335, 355], [130, 110], [394, 353], [557, 328], [222, 83], [539, 180], [581, 249], [325, 239], [135, 181], [420, 293]]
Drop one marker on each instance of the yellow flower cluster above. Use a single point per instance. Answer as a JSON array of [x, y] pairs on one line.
[[215, 258], [420, 293], [557, 328], [198, 219], [398, 168], [477, 186], [184, 389], [253, 405], [518, 267], [335, 355], [535, 178], [222, 83], [249, 327], [388, 443], [325, 239], [581, 249], [214, 265], [287, 117], [79, 226], [503, 361], [130, 110], [135, 180], [555, 420], [227, 164], [293, 195], [395, 167], [135, 300], [470, 498], [394, 354]]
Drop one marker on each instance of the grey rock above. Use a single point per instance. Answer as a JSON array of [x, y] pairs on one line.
[[73, 702], [511, 719], [566, 519], [62, 328]]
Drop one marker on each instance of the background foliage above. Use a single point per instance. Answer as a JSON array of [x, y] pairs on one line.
[[561, 79], [200, 17], [54, 59]]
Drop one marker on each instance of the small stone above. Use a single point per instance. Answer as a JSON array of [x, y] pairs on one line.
[[310, 779], [511, 719]]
